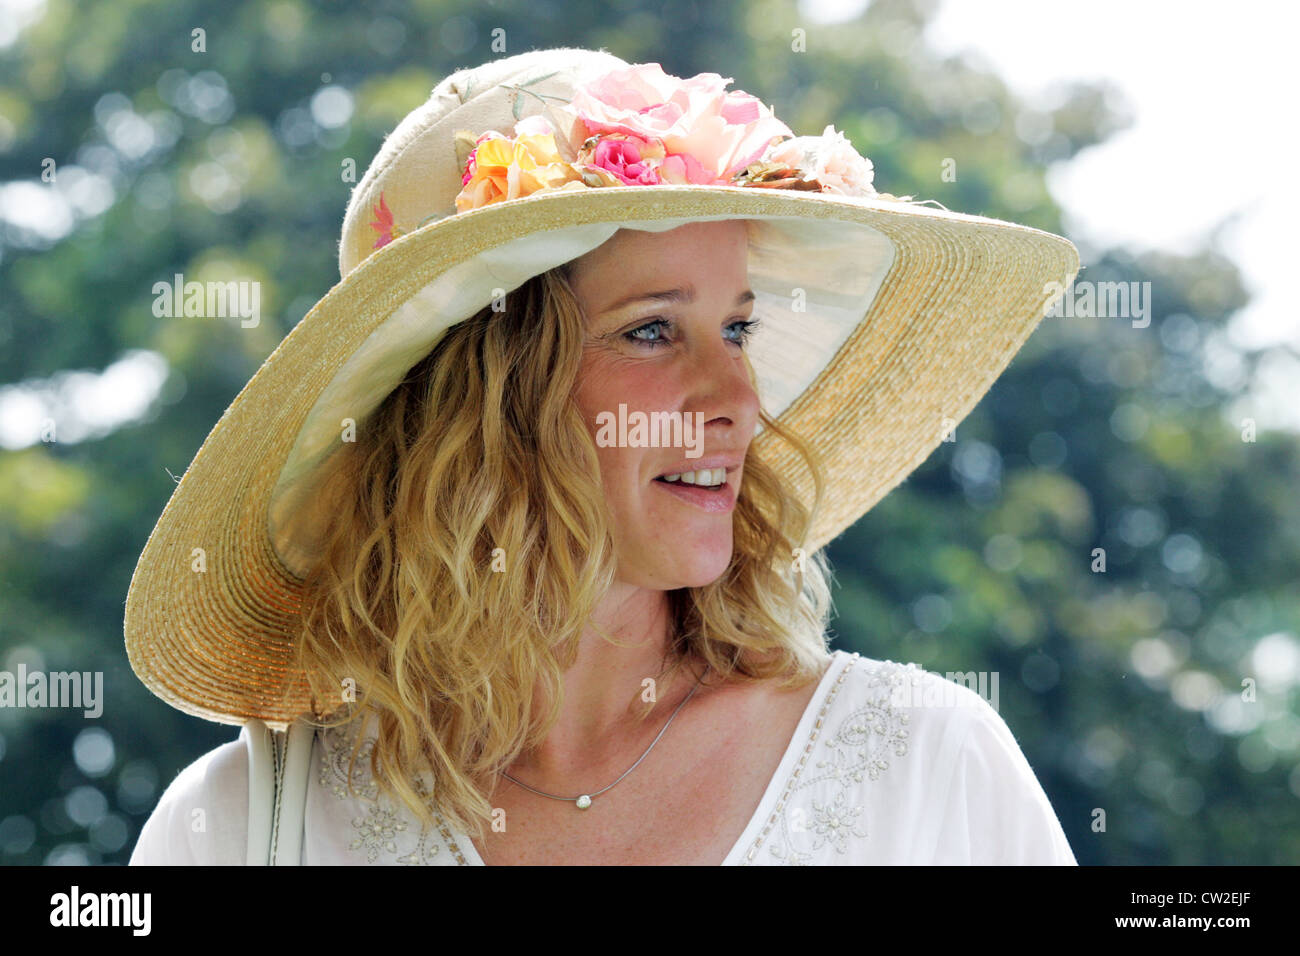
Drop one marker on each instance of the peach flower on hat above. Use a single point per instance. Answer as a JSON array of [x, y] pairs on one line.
[[708, 134]]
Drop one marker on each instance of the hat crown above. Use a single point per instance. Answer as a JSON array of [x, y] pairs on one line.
[[417, 170]]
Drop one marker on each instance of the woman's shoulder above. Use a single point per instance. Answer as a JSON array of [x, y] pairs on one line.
[[914, 712], [928, 721], [907, 686], [884, 723], [202, 816], [904, 765]]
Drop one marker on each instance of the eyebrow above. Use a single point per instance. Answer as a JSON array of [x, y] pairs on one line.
[[671, 295]]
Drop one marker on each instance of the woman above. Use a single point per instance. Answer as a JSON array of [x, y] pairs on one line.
[[523, 636]]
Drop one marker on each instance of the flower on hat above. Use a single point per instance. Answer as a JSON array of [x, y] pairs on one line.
[[628, 158], [639, 126], [501, 167], [830, 159], [383, 224], [707, 133]]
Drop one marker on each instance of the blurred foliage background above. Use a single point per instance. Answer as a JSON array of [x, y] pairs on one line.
[[1124, 688]]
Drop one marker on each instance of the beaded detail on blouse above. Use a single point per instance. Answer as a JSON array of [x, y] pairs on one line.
[[860, 745], [384, 829]]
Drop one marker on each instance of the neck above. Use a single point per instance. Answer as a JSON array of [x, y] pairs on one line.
[[596, 734]]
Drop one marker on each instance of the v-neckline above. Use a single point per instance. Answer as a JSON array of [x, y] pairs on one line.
[[839, 659]]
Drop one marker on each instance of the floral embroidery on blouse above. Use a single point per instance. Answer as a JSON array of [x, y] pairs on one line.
[[860, 747], [384, 830]]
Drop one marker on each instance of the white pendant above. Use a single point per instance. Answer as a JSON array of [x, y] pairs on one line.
[[584, 802]]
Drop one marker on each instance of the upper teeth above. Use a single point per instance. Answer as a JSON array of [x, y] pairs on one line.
[[705, 476]]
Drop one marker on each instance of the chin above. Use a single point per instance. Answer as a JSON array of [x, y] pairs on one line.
[[701, 581], [702, 570]]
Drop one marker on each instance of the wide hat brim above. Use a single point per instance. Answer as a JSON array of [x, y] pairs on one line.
[[954, 298]]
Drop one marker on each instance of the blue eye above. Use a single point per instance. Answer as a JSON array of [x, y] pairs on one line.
[[660, 324], [746, 329]]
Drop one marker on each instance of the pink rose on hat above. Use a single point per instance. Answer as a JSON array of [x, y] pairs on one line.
[[707, 134], [623, 158]]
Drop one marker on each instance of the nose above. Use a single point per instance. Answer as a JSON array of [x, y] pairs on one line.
[[718, 385]]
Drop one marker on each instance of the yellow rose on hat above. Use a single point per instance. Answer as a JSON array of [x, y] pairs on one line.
[[501, 167]]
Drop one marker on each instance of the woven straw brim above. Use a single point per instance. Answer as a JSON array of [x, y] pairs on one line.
[[962, 295]]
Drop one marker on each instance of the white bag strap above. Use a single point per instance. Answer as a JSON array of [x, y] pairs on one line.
[[261, 791], [291, 802], [278, 770]]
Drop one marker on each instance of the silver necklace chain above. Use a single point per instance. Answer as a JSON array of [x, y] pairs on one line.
[[584, 800]]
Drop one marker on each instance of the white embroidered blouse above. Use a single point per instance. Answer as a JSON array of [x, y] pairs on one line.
[[890, 764]]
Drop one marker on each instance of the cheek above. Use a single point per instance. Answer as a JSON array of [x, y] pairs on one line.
[[604, 383]]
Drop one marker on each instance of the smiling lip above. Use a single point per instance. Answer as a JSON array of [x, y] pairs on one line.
[[721, 501], [729, 462]]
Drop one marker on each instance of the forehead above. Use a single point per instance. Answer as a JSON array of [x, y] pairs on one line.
[[695, 252]]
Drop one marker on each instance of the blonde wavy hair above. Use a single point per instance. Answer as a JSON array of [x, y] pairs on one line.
[[480, 459]]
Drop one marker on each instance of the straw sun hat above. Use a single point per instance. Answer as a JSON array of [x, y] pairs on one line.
[[884, 322]]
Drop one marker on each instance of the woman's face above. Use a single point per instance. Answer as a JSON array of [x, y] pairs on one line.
[[679, 356]]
